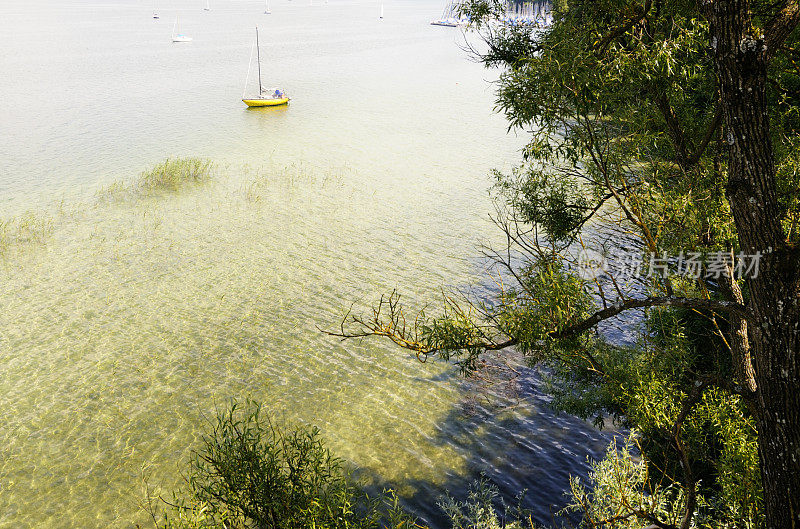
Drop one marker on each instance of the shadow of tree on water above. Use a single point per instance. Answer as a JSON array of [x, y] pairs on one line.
[[518, 442]]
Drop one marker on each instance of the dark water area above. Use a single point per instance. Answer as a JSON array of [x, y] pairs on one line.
[[528, 453]]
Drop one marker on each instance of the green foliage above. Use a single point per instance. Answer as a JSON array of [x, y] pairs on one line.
[[479, 512], [579, 388], [550, 200], [789, 187], [621, 494], [454, 332], [622, 108], [621, 100], [646, 387], [628, 151], [547, 300], [252, 473]]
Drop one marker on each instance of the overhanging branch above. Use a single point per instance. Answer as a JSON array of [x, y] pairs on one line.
[[665, 301]]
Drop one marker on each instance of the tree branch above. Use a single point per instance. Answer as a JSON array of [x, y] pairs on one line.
[[666, 301], [674, 127], [389, 320], [690, 484], [781, 26], [707, 138], [639, 15]]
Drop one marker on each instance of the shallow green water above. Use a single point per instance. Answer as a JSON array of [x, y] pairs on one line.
[[140, 315], [134, 317]]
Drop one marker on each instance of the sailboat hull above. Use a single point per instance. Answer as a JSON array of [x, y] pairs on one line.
[[266, 102]]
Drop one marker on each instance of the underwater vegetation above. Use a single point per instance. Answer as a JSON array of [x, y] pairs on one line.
[[170, 175], [29, 228]]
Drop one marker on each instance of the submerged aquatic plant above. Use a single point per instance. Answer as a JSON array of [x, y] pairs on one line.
[[30, 228], [281, 179], [169, 175]]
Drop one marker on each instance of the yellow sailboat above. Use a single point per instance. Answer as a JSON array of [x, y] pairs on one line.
[[277, 98], [267, 97]]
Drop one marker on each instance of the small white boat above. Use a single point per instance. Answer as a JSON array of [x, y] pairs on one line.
[[381, 11], [449, 18], [449, 22], [179, 37], [208, 7], [266, 7]]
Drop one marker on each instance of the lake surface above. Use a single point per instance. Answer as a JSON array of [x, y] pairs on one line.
[[134, 317]]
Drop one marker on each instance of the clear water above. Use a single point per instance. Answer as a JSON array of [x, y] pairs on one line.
[[137, 316]]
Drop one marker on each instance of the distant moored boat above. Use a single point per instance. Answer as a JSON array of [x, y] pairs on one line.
[[180, 37], [449, 17]]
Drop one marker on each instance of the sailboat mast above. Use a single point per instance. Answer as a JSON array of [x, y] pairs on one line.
[[260, 88]]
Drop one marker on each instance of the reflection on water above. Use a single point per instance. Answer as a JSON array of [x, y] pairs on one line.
[[274, 112]]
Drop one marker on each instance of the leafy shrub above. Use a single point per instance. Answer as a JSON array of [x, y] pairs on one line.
[[622, 495], [250, 473], [479, 512]]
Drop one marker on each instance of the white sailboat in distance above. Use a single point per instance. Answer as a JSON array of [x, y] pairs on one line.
[[208, 7], [266, 7], [180, 37]]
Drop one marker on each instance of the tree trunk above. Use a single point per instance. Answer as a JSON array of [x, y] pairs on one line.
[[741, 58]]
